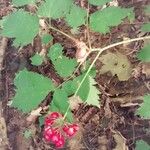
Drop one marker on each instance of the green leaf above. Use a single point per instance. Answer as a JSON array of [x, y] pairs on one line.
[[144, 110], [54, 8], [32, 88], [46, 38], [22, 2], [60, 103], [146, 27], [37, 59], [62, 64], [98, 2], [116, 63], [93, 98], [147, 9], [65, 66], [22, 26], [76, 17], [144, 54], [55, 52], [102, 20], [27, 134], [142, 145]]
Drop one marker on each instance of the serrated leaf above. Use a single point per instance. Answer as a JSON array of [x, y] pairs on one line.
[[98, 2], [60, 103], [76, 17], [144, 54], [55, 52], [22, 26], [22, 2], [116, 63], [142, 145], [46, 38], [144, 109], [37, 59], [62, 64], [32, 88], [93, 95], [102, 20], [54, 8], [146, 27]]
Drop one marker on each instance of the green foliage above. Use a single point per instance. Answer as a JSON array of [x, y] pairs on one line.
[[144, 54], [62, 64], [146, 27], [87, 92], [22, 2], [22, 26], [118, 64], [142, 145], [144, 110], [60, 103], [32, 88], [37, 59], [27, 134], [147, 9], [76, 16], [46, 38], [93, 98], [102, 20], [54, 8], [98, 2]]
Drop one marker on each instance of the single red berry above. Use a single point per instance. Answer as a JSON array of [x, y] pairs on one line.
[[48, 121], [54, 115], [60, 143], [70, 130]]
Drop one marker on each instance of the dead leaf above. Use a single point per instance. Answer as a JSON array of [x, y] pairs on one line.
[[120, 141], [116, 63], [75, 101]]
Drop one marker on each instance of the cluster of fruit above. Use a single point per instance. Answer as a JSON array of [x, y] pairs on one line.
[[55, 132]]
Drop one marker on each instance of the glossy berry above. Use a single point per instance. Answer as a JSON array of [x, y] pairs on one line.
[[48, 121], [60, 143], [71, 130], [54, 115]]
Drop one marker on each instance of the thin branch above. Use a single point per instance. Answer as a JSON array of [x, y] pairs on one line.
[[63, 33]]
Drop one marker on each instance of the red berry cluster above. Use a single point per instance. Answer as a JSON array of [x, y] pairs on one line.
[[54, 133]]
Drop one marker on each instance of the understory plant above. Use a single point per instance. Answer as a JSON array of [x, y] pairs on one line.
[[32, 18]]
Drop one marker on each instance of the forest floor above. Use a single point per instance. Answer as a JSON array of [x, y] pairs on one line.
[[112, 127]]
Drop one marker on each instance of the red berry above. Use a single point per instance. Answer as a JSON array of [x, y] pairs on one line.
[[48, 121], [55, 137], [60, 143], [70, 130], [54, 115]]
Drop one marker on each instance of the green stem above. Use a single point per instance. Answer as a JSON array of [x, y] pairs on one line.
[[63, 33], [97, 56]]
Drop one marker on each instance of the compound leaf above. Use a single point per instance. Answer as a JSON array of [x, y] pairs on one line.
[[98, 2], [144, 109], [22, 26], [76, 17], [32, 88], [144, 54], [62, 64], [142, 145], [46, 38], [60, 103], [22, 2], [102, 20], [54, 8]]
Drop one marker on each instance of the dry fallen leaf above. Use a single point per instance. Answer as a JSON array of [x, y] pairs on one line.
[[116, 63], [120, 141], [74, 102]]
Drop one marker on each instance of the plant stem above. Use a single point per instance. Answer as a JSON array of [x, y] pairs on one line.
[[97, 56], [63, 33]]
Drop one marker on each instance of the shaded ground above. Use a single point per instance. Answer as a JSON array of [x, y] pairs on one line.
[[103, 129]]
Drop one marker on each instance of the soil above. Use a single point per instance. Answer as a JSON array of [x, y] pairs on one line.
[[101, 129]]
